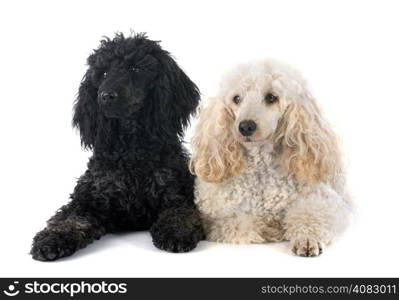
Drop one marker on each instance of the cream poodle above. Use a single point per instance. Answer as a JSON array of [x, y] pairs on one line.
[[268, 163]]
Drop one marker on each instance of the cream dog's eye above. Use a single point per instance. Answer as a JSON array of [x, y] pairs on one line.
[[236, 99], [270, 98]]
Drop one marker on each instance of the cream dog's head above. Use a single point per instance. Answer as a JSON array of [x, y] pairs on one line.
[[264, 104]]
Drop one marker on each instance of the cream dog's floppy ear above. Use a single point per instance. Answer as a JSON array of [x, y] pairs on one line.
[[216, 154], [310, 148]]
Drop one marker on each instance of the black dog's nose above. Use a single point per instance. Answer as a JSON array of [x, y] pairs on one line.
[[109, 96], [247, 127]]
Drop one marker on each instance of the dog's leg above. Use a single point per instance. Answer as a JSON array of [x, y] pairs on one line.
[[314, 219], [177, 229], [74, 226], [71, 229]]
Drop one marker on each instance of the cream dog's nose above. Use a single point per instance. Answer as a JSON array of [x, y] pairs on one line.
[[247, 127]]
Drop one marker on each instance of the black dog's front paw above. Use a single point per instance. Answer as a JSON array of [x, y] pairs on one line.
[[176, 243], [52, 245], [177, 230]]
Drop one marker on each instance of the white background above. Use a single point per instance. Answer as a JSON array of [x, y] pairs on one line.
[[348, 50]]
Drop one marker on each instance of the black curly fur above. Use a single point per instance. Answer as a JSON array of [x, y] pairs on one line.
[[137, 178]]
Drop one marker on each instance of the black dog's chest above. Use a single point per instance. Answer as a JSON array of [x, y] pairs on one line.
[[124, 177], [122, 192]]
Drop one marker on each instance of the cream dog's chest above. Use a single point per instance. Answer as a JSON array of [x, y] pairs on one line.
[[261, 190]]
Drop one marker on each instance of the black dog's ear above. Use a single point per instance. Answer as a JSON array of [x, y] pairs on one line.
[[178, 95], [187, 95], [85, 112]]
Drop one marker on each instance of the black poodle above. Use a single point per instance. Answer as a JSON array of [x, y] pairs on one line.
[[133, 105]]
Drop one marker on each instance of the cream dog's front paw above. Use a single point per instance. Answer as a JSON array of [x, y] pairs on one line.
[[307, 247]]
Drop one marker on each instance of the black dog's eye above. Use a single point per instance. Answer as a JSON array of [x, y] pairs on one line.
[[270, 98], [135, 69], [105, 74], [237, 99]]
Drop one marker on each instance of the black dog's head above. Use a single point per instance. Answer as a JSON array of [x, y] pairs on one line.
[[133, 78]]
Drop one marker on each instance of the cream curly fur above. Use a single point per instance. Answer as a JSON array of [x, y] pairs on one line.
[[284, 182]]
